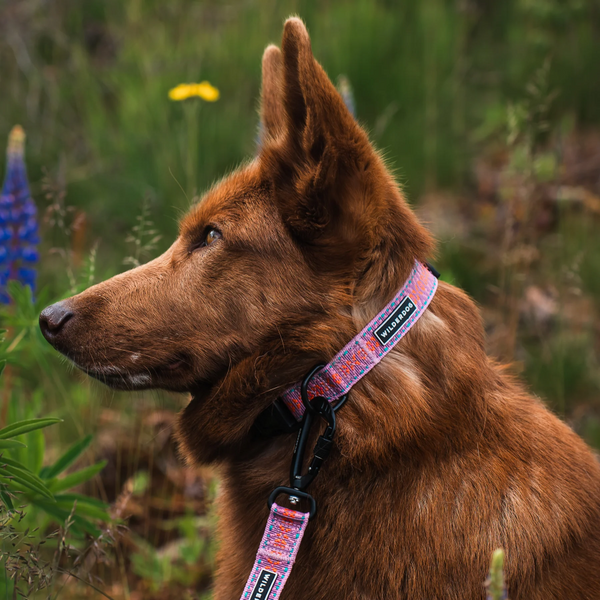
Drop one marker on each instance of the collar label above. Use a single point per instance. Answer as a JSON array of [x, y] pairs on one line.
[[385, 332], [264, 584]]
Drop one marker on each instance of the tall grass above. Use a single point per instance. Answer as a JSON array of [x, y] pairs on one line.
[[89, 81]]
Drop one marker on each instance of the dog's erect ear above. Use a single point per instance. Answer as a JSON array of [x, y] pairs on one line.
[[321, 146], [272, 115], [317, 115], [331, 187]]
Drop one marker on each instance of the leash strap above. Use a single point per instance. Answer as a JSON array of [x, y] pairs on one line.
[[367, 349], [276, 554]]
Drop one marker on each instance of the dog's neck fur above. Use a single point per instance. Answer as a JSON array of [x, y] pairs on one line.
[[416, 387], [442, 404]]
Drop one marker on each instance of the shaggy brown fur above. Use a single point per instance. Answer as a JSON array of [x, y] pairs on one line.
[[440, 457]]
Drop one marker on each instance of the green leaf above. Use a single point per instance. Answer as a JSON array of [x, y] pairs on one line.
[[83, 508], [43, 297], [4, 460], [496, 586], [21, 427], [36, 445], [77, 478], [80, 524], [11, 444], [6, 498], [141, 482], [13, 479], [21, 294], [72, 496], [67, 459], [22, 476], [2, 365]]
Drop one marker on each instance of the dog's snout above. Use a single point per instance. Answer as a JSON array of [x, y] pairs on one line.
[[53, 319]]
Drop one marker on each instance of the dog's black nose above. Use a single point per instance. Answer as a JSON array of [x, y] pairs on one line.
[[53, 319]]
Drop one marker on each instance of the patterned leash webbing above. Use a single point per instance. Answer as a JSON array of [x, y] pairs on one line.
[[276, 554], [367, 349]]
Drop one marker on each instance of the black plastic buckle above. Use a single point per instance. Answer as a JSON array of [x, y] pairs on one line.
[[294, 494], [276, 419], [433, 271]]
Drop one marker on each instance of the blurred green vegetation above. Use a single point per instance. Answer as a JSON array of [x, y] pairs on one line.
[[89, 82], [486, 110]]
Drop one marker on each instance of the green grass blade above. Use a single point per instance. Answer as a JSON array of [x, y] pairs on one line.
[[36, 449], [68, 458], [77, 478], [21, 427]]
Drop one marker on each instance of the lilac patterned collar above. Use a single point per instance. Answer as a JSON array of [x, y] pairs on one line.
[[367, 349]]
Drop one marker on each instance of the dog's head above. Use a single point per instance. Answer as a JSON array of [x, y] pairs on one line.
[[279, 263]]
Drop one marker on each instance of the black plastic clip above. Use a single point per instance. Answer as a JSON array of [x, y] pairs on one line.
[[316, 407]]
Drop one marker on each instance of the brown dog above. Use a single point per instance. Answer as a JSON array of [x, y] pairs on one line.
[[440, 457]]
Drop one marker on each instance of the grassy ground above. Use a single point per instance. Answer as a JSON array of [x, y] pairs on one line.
[[486, 110]]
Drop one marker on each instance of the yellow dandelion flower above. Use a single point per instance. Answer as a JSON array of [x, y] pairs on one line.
[[203, 90]]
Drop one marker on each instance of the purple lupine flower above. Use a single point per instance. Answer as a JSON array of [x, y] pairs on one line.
[[19, 236]]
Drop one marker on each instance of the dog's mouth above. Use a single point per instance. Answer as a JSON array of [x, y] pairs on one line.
[[172, 375]]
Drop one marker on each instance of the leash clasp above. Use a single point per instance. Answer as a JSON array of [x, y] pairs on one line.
[[315, 407], [318, 406], [322, 449]]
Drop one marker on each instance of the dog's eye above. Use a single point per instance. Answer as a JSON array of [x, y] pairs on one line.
[[212, 235]]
